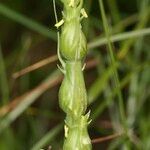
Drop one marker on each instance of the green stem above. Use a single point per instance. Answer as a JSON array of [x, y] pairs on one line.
[[72, 94]]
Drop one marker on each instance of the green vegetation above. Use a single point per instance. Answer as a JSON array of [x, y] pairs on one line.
[[117, 75]]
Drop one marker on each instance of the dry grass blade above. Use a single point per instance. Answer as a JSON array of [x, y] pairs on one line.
[[106, 138], [31, 95], [29, 98], [35, 66], [42, 63]]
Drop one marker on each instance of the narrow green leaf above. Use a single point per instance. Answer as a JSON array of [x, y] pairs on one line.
[[113, 62], [25, 21], [47, 138], [119, 37]]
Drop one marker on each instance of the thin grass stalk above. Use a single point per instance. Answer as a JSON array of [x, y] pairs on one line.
[[113, 62], [115, 73], [72, 93], [47, 138]]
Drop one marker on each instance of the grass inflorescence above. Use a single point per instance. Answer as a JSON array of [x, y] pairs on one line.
[[113, 42]]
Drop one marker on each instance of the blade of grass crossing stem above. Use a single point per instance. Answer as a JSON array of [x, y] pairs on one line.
[[94, 44], [3, 80], [46, 139], [91, 45], [113, 62], [119, 37], [25, 21], [28, 99]]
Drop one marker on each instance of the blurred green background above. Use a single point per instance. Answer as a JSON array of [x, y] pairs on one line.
[[30, 117]]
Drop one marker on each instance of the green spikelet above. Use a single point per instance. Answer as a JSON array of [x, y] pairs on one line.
[[72, 93]]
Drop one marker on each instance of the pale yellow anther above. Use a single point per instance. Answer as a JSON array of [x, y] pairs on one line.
[[83, 12], [83, 66], [60, 23], [71, 4], [66, 131]]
